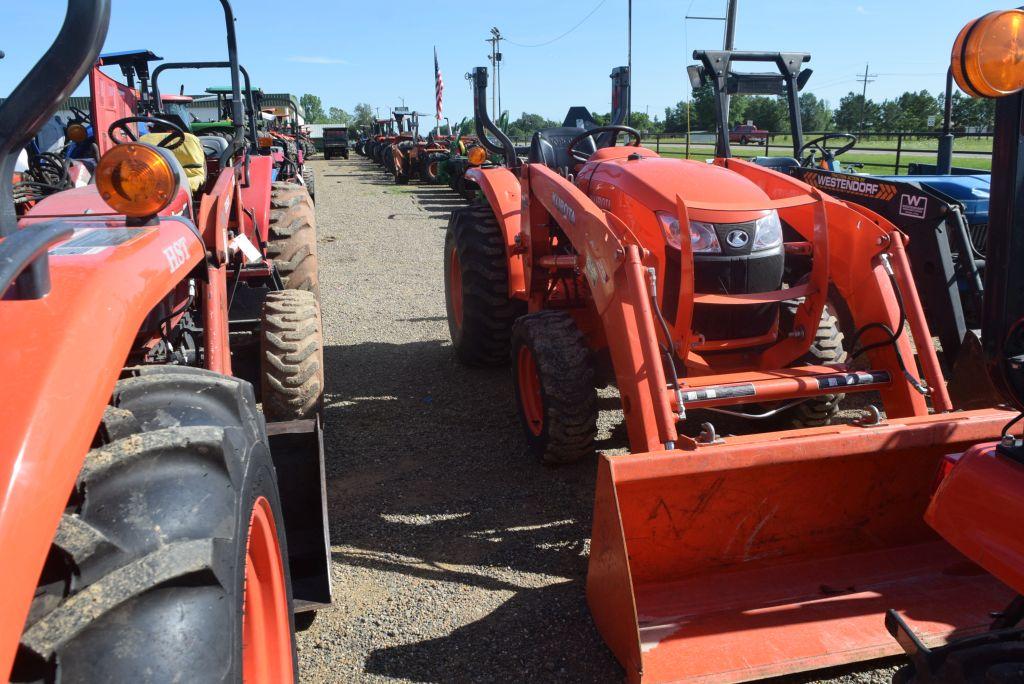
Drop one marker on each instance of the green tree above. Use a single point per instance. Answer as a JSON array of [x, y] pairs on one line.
[[853, 111], [338, 116], [769, 113], [314, 108], [815, 114], [363, 114], [526, 125]]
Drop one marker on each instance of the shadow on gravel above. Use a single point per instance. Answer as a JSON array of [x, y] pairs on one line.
[[427, 479], [544, 632]]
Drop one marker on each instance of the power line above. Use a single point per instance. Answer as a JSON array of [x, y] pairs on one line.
[[557, 38]]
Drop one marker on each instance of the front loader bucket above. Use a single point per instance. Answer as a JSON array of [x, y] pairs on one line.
[[778, 553], [297, 448]]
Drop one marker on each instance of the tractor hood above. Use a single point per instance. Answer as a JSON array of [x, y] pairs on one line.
[[654, 182]]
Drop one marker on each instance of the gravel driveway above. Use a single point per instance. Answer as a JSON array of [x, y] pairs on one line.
[[456, 557]]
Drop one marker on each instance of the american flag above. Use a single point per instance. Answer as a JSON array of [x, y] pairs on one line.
[[438, 86]]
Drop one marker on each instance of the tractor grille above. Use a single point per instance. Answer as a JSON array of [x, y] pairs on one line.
[[979, 236]]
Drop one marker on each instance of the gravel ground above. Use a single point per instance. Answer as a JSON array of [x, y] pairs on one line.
[[456, 557]]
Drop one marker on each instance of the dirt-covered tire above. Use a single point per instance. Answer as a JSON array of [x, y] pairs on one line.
[[292, 239], [401, 177], [553, 376], [827, 348], [430, 171], [291, 356], [480, 312], [146, 580], [309, 178]]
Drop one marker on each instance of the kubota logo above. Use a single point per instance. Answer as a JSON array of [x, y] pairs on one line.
[[563, 208], [177, 254]]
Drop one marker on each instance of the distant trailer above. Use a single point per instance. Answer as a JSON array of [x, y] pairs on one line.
[[336, 142]]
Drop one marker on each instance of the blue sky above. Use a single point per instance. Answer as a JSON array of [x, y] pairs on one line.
[[379, 52]]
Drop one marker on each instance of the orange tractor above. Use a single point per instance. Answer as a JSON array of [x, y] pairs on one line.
[[156, 525], [717, 287], [415, 157]]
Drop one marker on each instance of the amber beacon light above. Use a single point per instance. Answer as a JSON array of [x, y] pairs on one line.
[[136, 180], [988, 55]]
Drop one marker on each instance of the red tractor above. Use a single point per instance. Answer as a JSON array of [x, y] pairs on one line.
[[714, 291], [156, 525]]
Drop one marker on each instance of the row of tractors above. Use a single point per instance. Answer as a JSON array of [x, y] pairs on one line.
[[162, 508], [397, 146], [162, 494], [805, 489]]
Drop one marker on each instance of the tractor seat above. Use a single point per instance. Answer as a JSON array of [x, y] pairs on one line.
[[780, 164], [189, 154], [551, 147], [214, 145]]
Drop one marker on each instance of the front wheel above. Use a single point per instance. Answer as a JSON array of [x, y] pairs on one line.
[[168, 562], [553, 375]]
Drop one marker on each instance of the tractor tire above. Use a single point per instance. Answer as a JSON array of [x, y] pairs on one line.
[[309, 178], [327, 156], [147, 579], [553, 375], [401, 177], [480, 312], [292, 239], [827, 348], [291, 356], [431, 167]]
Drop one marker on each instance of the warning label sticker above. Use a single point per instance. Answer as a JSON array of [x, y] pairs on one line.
[[94, 240], [720, 392], [851, 379]]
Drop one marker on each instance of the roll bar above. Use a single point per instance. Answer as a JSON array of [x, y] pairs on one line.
[[236, 87], [716, 68], [484, 124], [31, 104], [212, 65], [46, 87]]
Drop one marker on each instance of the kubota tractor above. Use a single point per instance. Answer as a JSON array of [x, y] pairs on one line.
[[155, 524], [720, 558]]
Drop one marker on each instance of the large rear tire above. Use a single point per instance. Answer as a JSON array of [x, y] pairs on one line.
[[291, 356], [168, 562], [553, 375], [309, 178], [292, 239], [480, 312], [430, 169]]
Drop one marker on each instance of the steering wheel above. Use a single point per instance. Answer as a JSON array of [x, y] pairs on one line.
[[583, 156], [821, 145], [170, 142]]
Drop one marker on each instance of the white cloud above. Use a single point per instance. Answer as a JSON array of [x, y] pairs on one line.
[[316, 60], [861, 10]]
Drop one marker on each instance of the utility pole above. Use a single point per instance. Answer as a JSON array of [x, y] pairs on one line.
[[865, 79], [730, 25], [495, 41], [629, 62], [402, 99]]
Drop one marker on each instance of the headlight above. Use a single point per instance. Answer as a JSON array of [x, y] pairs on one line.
[[768, 232], [703, 238]]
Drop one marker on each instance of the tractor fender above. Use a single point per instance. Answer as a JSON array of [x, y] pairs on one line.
[[503, 192], [61, 356], [256, 197]]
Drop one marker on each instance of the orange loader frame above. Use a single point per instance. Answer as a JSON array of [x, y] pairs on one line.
[[731, 559]]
